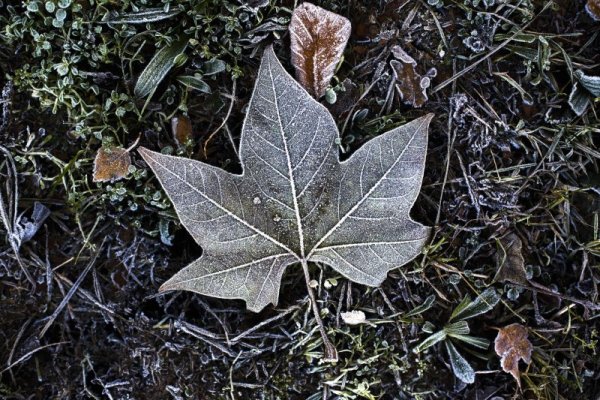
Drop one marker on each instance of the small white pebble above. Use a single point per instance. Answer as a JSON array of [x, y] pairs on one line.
[[354, 317]]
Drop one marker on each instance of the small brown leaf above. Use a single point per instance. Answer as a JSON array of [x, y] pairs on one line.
[[318, 38], [410, 85], [509, 261], [593, 9], [181, 126], [111, 164], [511, 345]]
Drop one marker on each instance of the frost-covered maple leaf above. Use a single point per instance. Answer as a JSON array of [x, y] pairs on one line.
[[295, 202]]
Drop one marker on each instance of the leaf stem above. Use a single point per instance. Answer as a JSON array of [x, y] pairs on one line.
[[330, 351]]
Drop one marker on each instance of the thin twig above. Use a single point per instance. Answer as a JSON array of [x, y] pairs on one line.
[[71, 292], [451, 138], [14, 346], [224, 119], [263, 323], [470, 189], [330, 351], [231, 387], [29, 354], [198, 333], [542, 289]]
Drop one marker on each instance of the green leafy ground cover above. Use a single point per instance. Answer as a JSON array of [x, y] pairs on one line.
[[507, 158]]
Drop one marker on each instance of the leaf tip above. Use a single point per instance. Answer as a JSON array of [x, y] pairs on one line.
[[166, 287], [428, 117], [255, 308], [145, 153], [269, 52], [422, 123]]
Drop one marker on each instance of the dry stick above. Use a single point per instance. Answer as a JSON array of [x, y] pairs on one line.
[[215, 316], [29, 354], [330, 351], [193, 332], [71, 292], [259, 326], [470, 189], [451, 138], [85, 295], [14, 346], [233, 145], [536, 287], [437, 24], [224, 119], [186, 326], [134, 143], [231, 386], [491, 53]]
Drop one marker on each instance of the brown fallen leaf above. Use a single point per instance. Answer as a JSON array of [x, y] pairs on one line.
[[112, 164], [509, 261], [510, 345], [593, 9], [410, 85], [181, 126], [318, 38]]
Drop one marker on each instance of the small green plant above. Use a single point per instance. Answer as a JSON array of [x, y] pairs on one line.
[[457, 329]]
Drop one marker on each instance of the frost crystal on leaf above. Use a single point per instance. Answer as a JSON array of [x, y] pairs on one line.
[[295, 201], [318, 38]]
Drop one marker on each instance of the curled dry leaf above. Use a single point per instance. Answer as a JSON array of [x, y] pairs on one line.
[[591, 83], [511, 345], [354, 317], [111, 164], [509, 261], [586, 85], [318, 38], [593, 9], [410, 85], [295, 201], [27, 227]]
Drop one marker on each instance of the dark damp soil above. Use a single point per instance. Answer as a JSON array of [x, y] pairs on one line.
[[509, 162]]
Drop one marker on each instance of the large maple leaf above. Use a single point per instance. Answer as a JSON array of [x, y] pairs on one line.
[[295, 202]]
